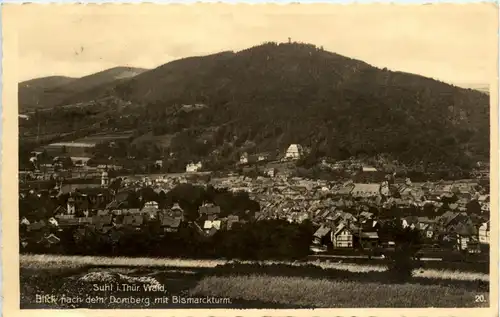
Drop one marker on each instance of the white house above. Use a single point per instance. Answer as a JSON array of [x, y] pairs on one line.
[[294, 152], [384, 188], [80, 161], [192, 167], [262, 157], [342, 237], [484, 233], [244, 158], [150, 205], [104, 179], [271, 172], [71, 209]]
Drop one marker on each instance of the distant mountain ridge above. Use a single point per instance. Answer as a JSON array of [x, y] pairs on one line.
[[479, 87], [47, 82], [272, 95], [51, 91]]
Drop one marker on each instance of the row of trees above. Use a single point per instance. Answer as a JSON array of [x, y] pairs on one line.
[[261, 240], [269, 239]]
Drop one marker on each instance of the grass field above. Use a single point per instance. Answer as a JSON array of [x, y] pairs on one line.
[[60, 261], [265, 284], [326, 293]]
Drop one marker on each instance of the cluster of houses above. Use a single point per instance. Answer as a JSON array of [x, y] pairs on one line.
[[105, 211], [79, 155], [293, 153], [347, 215], [353, 212], [114, 221], [450, 231]]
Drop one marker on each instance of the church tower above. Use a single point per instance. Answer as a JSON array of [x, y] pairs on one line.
[[71, 206]]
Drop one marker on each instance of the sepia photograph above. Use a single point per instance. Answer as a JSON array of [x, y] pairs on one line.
[[252, 156]]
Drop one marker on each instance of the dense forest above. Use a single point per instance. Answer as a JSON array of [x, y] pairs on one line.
[[269, 96]]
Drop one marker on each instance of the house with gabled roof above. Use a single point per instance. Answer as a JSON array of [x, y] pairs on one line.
[[66, 220], [484, 233], [484, 198], [169, 223], [367, 239], [211, 227], [150, 208], [443, 186], [410, 222], [210, 210], [244, 158], [342, 237], [324, 213], [348, 217], [344, 190], [126, 211], [365, 190], [426, 226], [320, 234], [133, 220], [365, 216], [176, 211], [294, 152], [467, 234], [485, 207], [115, 205], [447, 219], [194, 167], [61, 210]]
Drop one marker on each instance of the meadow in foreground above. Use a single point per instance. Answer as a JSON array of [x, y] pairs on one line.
[[253, 285], [324, 293]]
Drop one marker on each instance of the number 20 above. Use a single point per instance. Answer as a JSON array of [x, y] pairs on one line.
[[480, 299]]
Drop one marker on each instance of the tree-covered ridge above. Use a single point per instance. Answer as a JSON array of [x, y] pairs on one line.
[[273, 95]]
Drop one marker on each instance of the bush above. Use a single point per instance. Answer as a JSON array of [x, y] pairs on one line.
[[401, 267]]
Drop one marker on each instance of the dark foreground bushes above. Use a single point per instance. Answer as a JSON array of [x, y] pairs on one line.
[[268, 239]]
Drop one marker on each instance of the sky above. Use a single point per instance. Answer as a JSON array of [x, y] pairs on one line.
[[452, 43]]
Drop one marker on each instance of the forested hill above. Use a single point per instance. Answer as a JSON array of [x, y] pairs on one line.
[[52, 91], [274, 94]]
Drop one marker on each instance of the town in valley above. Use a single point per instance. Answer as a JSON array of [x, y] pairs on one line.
[[225, 180], [351, 205]]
